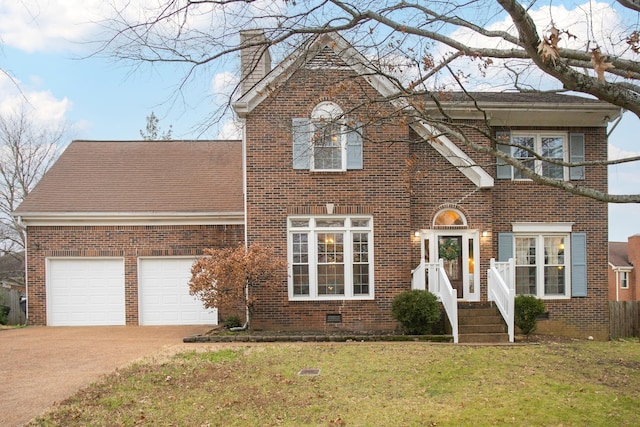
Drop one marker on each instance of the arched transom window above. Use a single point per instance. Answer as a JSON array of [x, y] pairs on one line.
[[449, 218]]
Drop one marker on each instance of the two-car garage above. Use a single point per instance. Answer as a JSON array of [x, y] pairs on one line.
[[91, 291]]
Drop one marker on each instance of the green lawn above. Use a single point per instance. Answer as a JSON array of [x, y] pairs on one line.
[[568, 383]]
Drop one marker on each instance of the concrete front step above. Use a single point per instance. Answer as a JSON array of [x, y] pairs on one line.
[[479, 320], [480, 323], [473, 312], [497, 328], [483, 338]]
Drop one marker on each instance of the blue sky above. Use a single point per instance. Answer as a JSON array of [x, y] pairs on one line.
[[43, 43]]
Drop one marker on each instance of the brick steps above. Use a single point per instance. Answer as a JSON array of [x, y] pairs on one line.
[[480, 323]]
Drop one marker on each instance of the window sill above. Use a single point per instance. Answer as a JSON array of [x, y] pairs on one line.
[[333, 298]]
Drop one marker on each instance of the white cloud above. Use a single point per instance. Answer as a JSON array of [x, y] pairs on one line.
[[592, 23], [36, 25], [616, 153], [223, 84], [43, 105], [230, 129]]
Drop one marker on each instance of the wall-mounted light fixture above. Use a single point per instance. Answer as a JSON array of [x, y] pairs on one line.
[[416, 234], [485, 233]]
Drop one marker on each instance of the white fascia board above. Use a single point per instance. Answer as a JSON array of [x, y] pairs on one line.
[[129, 218], [541, 227], [455, 155]]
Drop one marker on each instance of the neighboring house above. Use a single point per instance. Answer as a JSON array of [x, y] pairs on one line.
[[624, 281], [359, 202]]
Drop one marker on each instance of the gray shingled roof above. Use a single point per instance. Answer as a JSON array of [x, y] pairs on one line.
[[141, 177], [619, 254], [517, 98]]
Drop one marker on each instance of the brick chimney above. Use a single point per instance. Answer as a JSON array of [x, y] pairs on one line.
[[633, 253], [255, 60]]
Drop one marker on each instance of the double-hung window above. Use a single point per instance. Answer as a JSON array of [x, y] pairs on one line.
[[548, 146], [330, 257], [542, 152], [623, 279], [541, 265], [328, 145], [327, 141]]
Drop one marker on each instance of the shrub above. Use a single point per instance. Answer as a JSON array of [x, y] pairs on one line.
[[228, 278], [527, 310], [232, 322], [416, 310]]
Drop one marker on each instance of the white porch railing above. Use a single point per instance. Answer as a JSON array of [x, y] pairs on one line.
[[501, 290], [433, 277]]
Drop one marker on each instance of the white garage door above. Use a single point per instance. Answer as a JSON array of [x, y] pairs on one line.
[[163, 292], [85, 292]]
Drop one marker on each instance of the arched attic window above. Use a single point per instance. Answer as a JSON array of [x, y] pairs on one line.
[[449, 217]]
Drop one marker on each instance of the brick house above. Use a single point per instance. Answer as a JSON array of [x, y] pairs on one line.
[[624, 281], [360, 202]]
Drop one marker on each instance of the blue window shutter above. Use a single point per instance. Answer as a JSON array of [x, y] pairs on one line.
[[579, 264], [354, 147], [576, 155], [301, 143], [503, 170], [505, 247]]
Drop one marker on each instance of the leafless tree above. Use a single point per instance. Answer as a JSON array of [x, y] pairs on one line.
[[424, 48], [27, 150]]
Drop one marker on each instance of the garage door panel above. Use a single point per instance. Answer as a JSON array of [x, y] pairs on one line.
[[164, 294], [85, 292]]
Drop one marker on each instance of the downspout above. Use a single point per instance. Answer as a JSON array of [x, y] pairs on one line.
[[246, 234], [26, 272]]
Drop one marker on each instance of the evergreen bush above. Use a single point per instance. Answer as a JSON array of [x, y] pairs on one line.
[[527, 310], [416, 310]]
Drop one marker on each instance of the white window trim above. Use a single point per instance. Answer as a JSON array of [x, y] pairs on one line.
[[619, 278], [348, 256], [542, 227], [538, 134], [540, 262]]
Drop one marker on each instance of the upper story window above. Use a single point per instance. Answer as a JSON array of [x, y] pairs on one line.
[[541, 152], [327, 141]]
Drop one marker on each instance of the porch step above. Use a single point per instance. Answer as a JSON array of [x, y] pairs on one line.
[[480, 323]]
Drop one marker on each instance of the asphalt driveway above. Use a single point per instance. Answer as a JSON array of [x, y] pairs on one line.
[[43, 365]]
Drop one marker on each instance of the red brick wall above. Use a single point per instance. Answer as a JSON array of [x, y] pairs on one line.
[[402, 200], [129, 242], [275, 190], [523, 201]]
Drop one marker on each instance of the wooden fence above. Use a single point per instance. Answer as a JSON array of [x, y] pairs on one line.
[[11, 298], [624, 319]]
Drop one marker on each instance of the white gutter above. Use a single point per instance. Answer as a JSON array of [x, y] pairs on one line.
[[131, 218]]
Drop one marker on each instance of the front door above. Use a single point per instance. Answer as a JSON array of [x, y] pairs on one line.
[[450, 251], [458, 250]]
